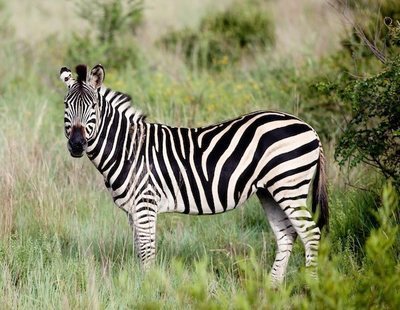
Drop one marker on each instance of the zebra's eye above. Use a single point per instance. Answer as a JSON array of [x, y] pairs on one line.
[[94, 102]]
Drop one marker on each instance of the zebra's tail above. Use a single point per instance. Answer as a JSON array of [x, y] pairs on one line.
[[320, 193]]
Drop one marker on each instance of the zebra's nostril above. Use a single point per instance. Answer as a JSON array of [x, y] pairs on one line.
[[80, 141], [76, 149], [77, 143], [77, 137]]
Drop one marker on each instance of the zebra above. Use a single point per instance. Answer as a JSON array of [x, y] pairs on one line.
[[152, 168]]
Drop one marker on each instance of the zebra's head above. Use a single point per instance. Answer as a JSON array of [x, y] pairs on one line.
[[81, 106]]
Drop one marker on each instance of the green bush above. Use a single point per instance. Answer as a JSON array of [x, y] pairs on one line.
[[110, 40], [223, 37], [111, 18], [381, 279], [321, 91], [373, 134], [366, 108]]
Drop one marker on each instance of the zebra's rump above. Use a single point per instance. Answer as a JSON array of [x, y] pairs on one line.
[[216, 168]]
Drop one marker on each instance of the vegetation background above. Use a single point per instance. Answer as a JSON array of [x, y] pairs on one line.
[[63, 244]]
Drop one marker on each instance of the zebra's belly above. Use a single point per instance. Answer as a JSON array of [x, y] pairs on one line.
[[184, 202]]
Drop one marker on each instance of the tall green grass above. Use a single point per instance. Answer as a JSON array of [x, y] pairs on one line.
[[219, 262]]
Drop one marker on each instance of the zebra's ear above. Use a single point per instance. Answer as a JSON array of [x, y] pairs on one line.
[[66, 76], [96, 77]]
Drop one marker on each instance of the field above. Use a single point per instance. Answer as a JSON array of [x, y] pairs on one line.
[[63, 243]]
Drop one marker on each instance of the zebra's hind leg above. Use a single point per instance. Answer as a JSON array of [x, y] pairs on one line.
[[291, 192], [284, 232], [309, 233]]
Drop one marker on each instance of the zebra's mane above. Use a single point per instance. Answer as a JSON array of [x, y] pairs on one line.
[[122, 102], [81, 71]]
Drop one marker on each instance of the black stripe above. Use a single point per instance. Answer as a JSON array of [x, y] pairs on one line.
[[298, 185], [293, 198], [146, 208], [290, 172]]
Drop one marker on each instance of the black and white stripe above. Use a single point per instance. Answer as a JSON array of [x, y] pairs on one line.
[[152, 168]]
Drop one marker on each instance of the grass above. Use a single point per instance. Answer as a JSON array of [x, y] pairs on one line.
[[84, 259], [63, 243]]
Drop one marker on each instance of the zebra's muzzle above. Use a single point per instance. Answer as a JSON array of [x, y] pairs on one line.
[[77, 143]]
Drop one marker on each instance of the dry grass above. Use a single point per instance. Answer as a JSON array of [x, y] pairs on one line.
[[35, 21], [160, 16], [306, 28]]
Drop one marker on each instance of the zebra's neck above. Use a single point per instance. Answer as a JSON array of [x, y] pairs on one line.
[[117, 123]]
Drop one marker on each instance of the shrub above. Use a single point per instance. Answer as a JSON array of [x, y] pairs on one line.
[[373, 134], [111, 18], [223, 37], [367, 107], [374, 33], [113, 24]]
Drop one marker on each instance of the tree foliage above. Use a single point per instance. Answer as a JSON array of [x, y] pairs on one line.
[[372, 135]]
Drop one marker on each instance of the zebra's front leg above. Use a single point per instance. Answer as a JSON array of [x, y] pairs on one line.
[[143, 223]]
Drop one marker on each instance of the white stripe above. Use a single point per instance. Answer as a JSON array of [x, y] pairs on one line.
[[183, 152]]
